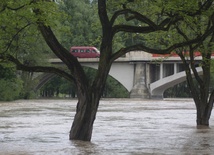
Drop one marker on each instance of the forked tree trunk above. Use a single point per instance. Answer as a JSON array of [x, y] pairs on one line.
[[200, 94], [203, 114], [88, 101], [84, 118]]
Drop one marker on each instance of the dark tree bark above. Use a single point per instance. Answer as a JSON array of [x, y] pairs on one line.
[[84, 118]]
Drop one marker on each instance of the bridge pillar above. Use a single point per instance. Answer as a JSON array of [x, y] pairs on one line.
[[161, 71], [175, 68], [140, 90]]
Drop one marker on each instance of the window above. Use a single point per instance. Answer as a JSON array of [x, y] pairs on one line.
[[81, 51], [74, 50], [87, 51]]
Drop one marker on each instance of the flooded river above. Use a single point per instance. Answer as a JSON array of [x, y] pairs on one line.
[[127, 127]]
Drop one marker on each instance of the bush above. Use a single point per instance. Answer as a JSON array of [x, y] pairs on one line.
[[10, 89]]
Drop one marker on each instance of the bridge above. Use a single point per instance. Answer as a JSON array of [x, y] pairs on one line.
[[142, 74]]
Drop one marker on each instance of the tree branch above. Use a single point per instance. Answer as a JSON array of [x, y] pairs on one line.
[[22, 67], [5, 6], [141, 47], [15, 35], [135, 15], [164, 25], [191, 53], [133, 29]]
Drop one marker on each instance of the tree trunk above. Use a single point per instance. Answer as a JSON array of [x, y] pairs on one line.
[[84, 118], [202, 118], [203, 114]]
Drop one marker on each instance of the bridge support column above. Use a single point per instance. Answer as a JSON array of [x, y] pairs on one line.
[[175, 68], [140, 90]]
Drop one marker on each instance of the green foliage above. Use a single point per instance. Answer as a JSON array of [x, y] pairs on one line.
[[82, 25], [18, 23], [20, 36], [56, 87], [212, 74], [180, 90], [156, 11], [10, 85], [29, 84], [10, 89]]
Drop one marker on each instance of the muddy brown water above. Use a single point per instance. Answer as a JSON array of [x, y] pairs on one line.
[[122, 126]]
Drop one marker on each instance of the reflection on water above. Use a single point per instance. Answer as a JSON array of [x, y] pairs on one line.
[[128, 126]]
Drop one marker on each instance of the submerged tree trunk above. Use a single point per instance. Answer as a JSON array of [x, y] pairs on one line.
[[203, 114], [199, 86], [203, 103], [87, 106], [84, 118], [202, 117]]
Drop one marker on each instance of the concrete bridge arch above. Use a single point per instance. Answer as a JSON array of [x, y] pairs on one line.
[[157, 88], [122, 72], [43, 78], [138, 76]]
